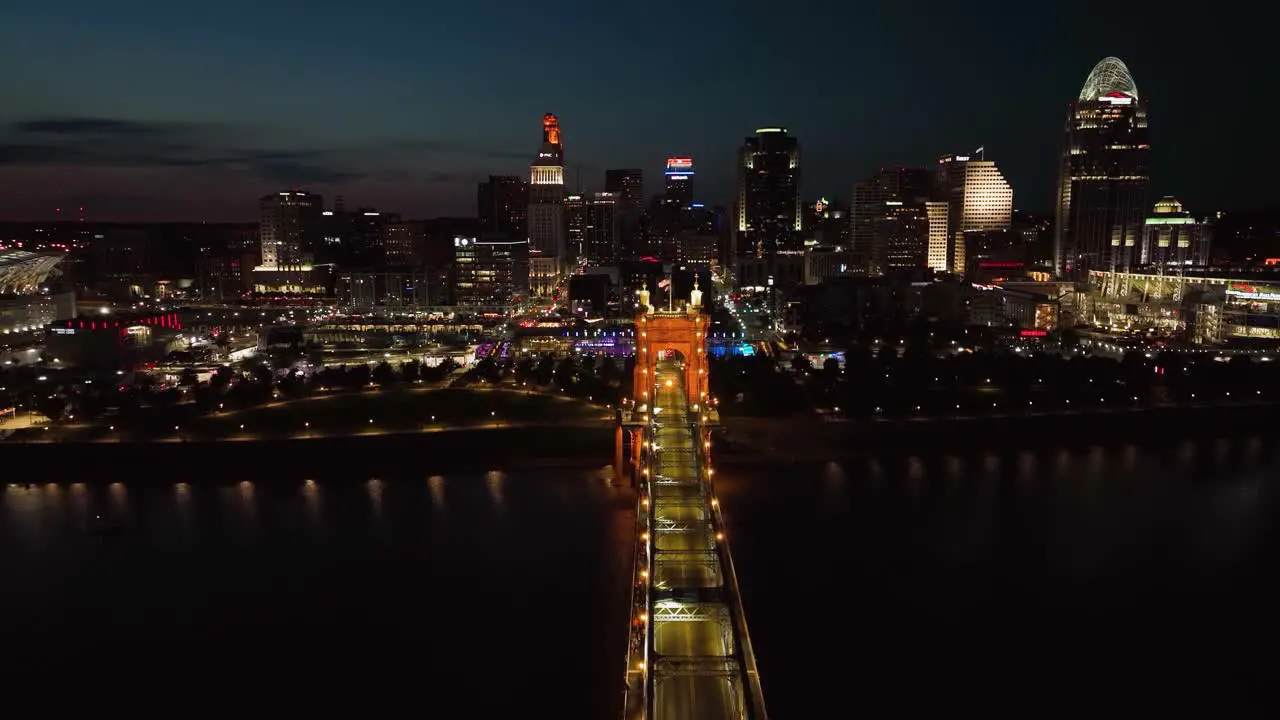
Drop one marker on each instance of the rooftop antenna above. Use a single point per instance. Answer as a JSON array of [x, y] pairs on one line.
[[981, 152]]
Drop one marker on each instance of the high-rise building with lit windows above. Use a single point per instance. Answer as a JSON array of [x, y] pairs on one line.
[[1103, 177], [575, 224], [601, 237], [979, 200], [546, 193], [548, 254], [903, 231], [291, 224], [768, 206], [937, 214], [679, 175], [502, 203], [876, 206], [1173, 239], [291, 229], [627, 184]]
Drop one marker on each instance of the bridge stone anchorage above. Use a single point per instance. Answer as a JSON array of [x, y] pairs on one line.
[[689, 652]]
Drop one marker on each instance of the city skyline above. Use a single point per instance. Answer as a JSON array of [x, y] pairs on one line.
[[141, 122]]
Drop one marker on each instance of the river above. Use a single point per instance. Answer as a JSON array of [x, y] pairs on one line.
[[1094, 578]]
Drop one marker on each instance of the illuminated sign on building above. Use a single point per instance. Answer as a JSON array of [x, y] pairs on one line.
[[1249, 292], [1116, 98], [679, 167], [1033, 333], [999, 264]]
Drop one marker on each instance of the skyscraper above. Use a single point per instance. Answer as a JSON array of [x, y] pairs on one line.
[[627, 184], [903, 231], [979, 200], [870, 207], [547, 255], [768, 206], [679, 175], [291, 227], [1173, 239], [938, 213], [502, 203], [575, 224], [1102, 185], [600, 245]]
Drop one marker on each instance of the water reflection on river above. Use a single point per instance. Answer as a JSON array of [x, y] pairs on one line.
[[1016, 582], [1007, 581], [483, 594]]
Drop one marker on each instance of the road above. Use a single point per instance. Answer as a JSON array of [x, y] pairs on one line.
[[696, 676]]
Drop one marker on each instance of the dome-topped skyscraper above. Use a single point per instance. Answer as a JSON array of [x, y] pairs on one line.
[[1110, 78], [1105, 170]]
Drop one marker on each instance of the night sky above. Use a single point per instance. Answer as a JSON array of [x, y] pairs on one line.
[[151, 111]]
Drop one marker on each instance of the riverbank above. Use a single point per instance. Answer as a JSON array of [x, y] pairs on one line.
[[422, 453], [332, 415], [748, 440]]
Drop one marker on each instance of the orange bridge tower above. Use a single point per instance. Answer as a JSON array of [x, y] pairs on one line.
[[663, 335]]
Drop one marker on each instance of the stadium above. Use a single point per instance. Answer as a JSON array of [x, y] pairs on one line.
[[27, 304]]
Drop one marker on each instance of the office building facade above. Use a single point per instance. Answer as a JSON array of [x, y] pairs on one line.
[[1103, 176], [873, 201], [490, 271], [769, 218], [502, 203], [979, 199], [290, 229], [1173, 239]]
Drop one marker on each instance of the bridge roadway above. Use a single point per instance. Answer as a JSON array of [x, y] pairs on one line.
[[696, 668]]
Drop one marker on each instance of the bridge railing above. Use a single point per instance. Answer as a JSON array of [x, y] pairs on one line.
[[745, 654], [636, 679]]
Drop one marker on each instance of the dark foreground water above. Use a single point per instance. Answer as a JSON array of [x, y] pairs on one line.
[[1104, 579]]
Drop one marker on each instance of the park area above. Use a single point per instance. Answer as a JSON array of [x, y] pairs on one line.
[[341, 414]]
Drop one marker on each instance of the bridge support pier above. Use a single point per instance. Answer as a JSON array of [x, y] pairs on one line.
[[627, 445], [618, 469], [637, 447]]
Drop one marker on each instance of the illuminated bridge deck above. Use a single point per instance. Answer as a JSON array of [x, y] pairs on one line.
[[697, 660]]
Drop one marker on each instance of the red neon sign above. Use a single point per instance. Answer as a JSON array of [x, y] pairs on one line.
[[679, 163], [1000, 264], [1033, 333]]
